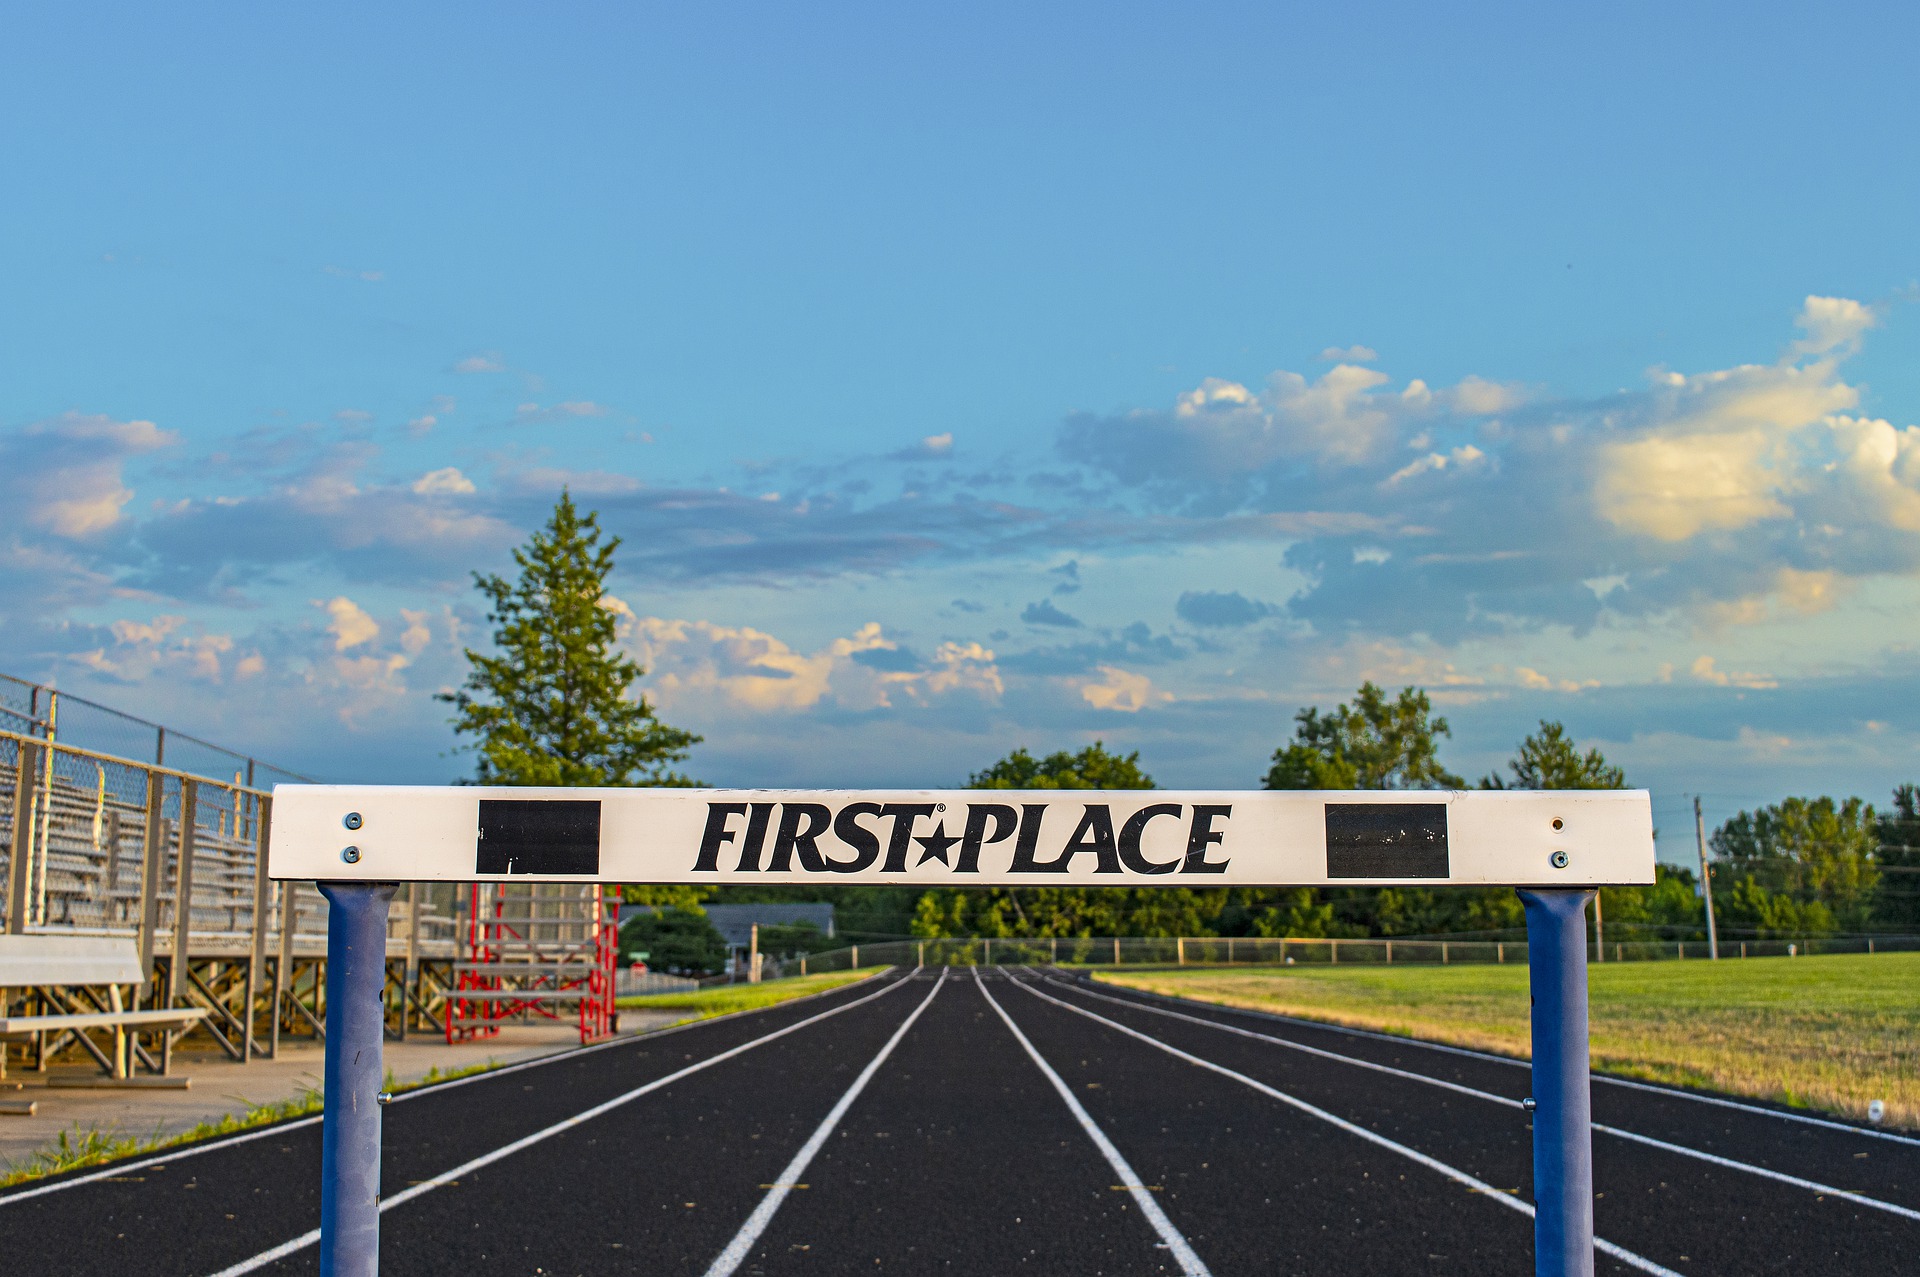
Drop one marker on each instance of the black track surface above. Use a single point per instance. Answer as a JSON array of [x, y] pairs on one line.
[[961, 1158]]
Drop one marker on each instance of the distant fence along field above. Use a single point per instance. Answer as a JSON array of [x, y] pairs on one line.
[[1306, 951]]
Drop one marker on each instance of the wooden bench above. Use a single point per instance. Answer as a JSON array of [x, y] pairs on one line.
[[81, 978]]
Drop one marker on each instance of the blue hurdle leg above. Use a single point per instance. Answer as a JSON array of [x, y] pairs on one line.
[[1563, 1113], [350, 1127]]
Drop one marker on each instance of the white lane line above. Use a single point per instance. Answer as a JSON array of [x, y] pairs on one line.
[[1176, 1243], [1812, 1186], [1717, 1102], [1669, 1092], [1451, 1172], [306, 1239], [1296, 1046], [743, 1241], [414, 1093]]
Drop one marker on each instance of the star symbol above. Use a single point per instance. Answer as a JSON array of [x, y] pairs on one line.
[[936, 845]]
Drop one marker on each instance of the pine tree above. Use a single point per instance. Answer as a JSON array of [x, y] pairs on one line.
[[554, 706]]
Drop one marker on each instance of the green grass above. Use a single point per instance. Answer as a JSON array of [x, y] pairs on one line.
[[89, 1146], [723, 999], [1830, 1032]]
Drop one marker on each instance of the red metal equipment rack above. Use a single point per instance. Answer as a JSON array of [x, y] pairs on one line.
[[535, 949]]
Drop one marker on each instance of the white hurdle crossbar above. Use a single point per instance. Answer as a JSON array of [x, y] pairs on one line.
[[1556, 847]]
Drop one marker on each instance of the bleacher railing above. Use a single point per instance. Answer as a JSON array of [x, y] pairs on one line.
[[94, 844], [46, 713]]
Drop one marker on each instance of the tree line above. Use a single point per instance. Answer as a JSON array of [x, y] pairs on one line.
[[555, 703]]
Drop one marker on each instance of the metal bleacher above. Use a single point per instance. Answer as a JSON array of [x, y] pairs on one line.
[[112, 826]]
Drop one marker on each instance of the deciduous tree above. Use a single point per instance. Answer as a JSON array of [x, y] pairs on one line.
[[1374, 743], [1548, 759], [1812, 851]]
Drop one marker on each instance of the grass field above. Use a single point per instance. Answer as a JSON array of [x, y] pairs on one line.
[[722, 999], [1831, 1032]]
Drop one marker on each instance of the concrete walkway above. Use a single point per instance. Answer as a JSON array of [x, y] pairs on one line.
[[220, 1086]]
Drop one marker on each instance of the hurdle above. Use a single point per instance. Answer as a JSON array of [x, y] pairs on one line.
[[1554, 847]]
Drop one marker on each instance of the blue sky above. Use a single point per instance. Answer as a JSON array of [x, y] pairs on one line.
[[969, 379]]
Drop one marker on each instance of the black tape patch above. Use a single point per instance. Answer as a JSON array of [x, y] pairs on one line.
[[1387, 840], [538, 836]]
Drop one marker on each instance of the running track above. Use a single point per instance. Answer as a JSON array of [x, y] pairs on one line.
[[996, 1122]]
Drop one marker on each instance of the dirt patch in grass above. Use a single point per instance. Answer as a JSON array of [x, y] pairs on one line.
[[1831, 1032]]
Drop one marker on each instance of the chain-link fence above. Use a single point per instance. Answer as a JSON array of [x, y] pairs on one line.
[[1173, 951], [45, 713]]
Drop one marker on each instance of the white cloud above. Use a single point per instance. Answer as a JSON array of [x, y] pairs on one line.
[[165, 645], [1674, 488], [1122, 691], [1764, 744], [938, 443], [1336, 418], [1534, 681], [1791, 592], [369, 683], [414, 639], [1223, 431], [67, 474], [572, 409], [1722, 450], [752, 670], [326, 511], [965, 667], [1833, 323], [447, 481], [1349, 355], [1393, 664], [1707, 670], [1478, 397], [348, 623], [1884, 466], [1459, 458], [481, 363]]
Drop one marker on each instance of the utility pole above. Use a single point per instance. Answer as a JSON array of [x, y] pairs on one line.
[[753, 955], [1706, 879]]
